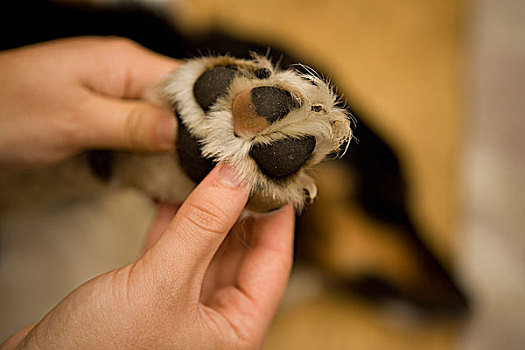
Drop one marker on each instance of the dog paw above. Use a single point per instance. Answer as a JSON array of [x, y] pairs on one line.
[[272, 126]]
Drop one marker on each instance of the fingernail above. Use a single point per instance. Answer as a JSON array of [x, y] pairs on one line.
[[166, 132], [227, 176]]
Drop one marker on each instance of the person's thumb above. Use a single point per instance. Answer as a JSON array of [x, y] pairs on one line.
[[128, 125], [196, 232]]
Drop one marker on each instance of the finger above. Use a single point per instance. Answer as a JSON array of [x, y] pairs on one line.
[[14, 341], [265, 271], [165, 214], [126, 125], [119, 67], [201, 224], [224, 267]]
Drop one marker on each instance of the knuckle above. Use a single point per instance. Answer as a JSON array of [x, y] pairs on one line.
[[206, 216], [134, 129], [120, 44]]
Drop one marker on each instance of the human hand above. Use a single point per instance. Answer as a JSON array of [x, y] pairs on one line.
[[197, 287], [61, 97]]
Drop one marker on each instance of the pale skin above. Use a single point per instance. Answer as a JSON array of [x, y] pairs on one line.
[[206, 280], [65, 96]]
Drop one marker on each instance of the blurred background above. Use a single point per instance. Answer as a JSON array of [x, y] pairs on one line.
[[442, 84]]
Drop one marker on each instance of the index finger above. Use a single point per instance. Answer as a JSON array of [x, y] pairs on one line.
[[119, 67], [193, 236]]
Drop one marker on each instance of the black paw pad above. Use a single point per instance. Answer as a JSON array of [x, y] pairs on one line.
[[211, 85], [283, 157], [190, 156], [262, 73], [272, 103]]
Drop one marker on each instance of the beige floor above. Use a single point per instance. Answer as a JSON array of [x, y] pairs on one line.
[[492, 249]]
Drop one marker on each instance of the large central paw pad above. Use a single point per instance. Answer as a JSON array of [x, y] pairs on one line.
[[283, 157], [271, 125]]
